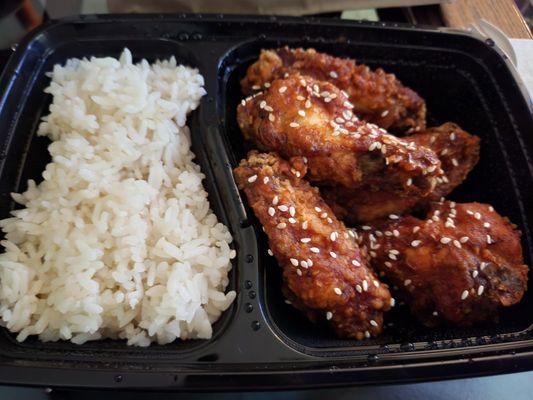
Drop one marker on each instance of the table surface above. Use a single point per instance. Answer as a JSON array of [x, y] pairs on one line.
[[459, 14]]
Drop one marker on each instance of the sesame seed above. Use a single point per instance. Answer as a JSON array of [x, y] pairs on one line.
[[396, 233], [292, 211], [367, 334], [452, 204], [305, 224], [262, 104], [333, 74], [392, 256], [486, 224], [329, 315], [337, 291], [300, 97], [452, 136], [294, 124], [351, 233], [384, 113], [301, 113], [394, 251], [480, 290], [282, 89], [366, 227], [489, 239], [281, 225], [432, 168], [464, 295], [388, 264], [303, 82], [407, 282], [268, 108], [491, 209], [292, 220], [409, 182], [457, 244], [324, 215], [455, 162], [435, 313], [287, 302], [365, 285], [333, 254], [252, 179], [332, 237], [469, 212], [271, 211], [393, 216], [304, 264], [299, 272], [305, 240], [266, 179], [270, 252], [243, 102], [283, 208], [483, 265], [327, 99], [373, 323], [416, 229], [445, 240], [359, 288], [435, 218], [315, 250], [267, 84], [294, 262], [443, 152], [376, 283], [347, 104], [416, 243], [256, 87], [475, 273], [464, 239], [271, 117], [309, 262], [373, 254], [275, 200], [356, 263], [318, 209], [477, 215]]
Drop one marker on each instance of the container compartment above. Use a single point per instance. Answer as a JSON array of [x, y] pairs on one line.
[[28, 155], [457, 88]]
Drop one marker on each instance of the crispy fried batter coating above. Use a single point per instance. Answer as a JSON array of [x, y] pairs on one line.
[[300, 116], [323, 273], [378, 97], [460, 265], [458, 152]]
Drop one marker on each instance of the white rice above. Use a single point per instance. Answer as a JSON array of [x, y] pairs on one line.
[[119, 239]]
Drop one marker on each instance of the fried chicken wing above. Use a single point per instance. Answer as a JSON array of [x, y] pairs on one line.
[[299, 116], [459, 266], [458, 152], [323, 274], [377, 97]]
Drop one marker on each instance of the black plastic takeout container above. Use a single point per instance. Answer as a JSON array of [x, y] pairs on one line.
[[260, 342]]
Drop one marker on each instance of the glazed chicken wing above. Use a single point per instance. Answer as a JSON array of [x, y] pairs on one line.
[[323, 274], [299, 116], [459, 266], [377, 97], [458, 152]]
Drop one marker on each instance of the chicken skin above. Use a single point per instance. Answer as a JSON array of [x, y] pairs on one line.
[[459, 266], [300, 116], [458, 152], [377, 97], [323, 273]]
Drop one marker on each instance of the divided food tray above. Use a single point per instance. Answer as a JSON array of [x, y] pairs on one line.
[[260, 342]]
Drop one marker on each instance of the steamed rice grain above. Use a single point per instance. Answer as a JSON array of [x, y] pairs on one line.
[[119, 239]]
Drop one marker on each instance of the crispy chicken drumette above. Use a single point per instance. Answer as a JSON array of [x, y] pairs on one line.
[[460, 265], [323, 273], [458, 152], [300, 116], [377, 97]]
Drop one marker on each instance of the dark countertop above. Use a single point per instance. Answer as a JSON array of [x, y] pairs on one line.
[[516, 386]]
